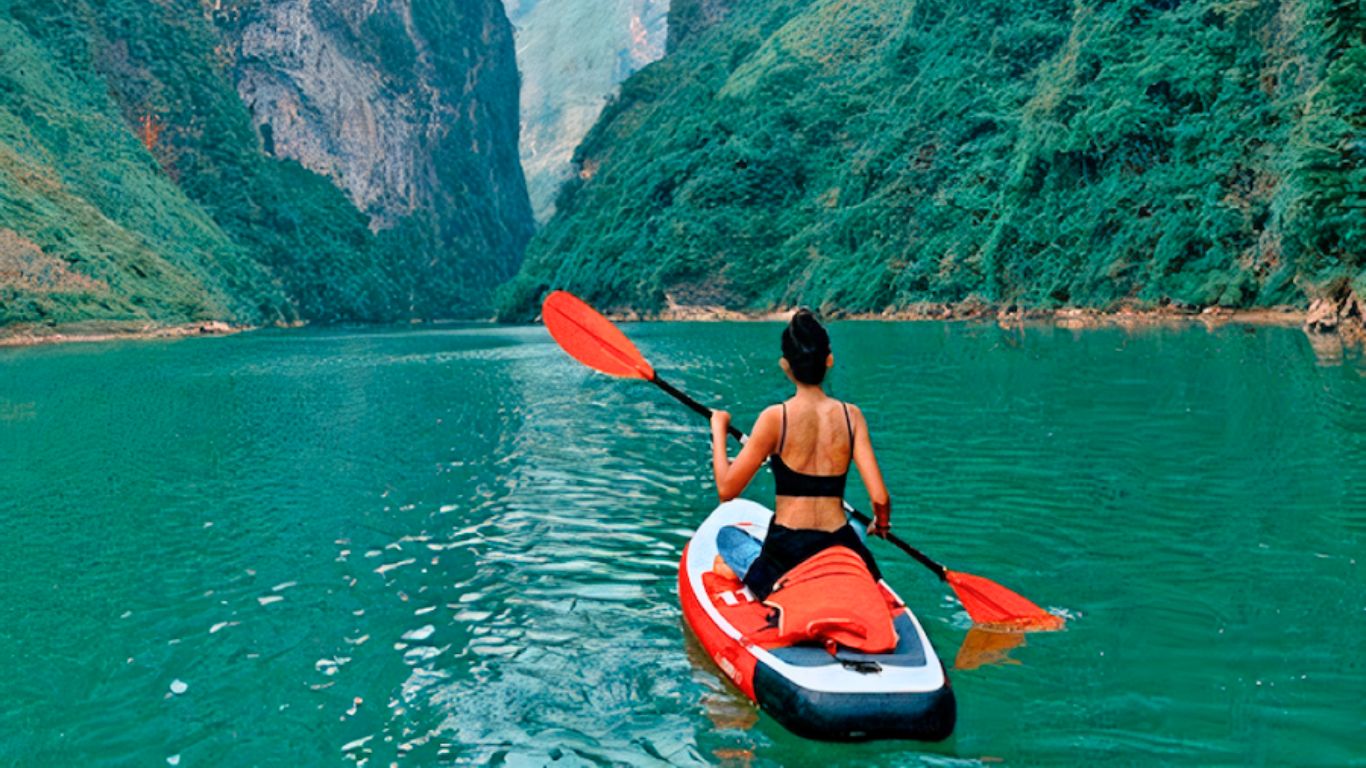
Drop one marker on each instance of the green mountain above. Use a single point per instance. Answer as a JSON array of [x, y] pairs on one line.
[[866, 154], [256, 160]]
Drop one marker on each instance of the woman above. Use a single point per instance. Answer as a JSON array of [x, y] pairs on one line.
[[809, 441]]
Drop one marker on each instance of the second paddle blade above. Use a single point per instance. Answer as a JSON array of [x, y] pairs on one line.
[[591, 338], [991, 604]]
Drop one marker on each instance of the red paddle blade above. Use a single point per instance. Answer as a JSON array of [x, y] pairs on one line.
[[991, 604], [591, 338]]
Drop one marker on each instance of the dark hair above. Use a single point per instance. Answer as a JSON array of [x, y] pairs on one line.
[[806, 346]]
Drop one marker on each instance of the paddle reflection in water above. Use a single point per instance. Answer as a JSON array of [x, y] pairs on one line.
[[985, 647]]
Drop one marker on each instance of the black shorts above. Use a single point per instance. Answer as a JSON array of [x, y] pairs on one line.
[[785, 548]]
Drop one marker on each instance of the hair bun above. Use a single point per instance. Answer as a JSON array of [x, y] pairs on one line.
[[809, 332], [806, 345]]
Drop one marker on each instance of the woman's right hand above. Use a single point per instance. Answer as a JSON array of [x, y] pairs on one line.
[[720, 422]]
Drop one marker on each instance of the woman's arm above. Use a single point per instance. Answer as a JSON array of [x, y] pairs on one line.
[[868, 469], [732, 477]]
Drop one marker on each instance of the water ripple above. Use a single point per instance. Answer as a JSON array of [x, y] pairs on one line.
[[456, 545]]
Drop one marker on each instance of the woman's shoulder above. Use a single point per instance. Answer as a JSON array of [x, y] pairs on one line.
[[769, 415], [769, 423], [855, 413], [847, 405]]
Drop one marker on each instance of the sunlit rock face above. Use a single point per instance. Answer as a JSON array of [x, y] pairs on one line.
[[314, 101], [572, 54], [410, 106]]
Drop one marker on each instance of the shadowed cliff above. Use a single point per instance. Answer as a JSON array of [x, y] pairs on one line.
[[257, 161]]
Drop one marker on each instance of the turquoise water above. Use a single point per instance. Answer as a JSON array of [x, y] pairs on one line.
[[457, 546]]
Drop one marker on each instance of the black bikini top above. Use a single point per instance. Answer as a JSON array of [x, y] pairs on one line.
[[789, 482]]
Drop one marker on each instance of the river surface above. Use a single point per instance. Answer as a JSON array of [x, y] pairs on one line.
[[458, 546]]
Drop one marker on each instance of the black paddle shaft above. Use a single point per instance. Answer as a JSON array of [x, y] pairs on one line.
[[701, 409], [734, 432]]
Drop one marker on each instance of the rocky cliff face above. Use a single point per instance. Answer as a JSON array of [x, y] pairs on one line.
[[256, 160], [313, 101], [409, 106], [572, 55]]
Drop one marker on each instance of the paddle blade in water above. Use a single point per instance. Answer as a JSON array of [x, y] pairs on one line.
[[591, 338], [991, 604]]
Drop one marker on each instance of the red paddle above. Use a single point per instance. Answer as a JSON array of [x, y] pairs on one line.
[[594, 341]]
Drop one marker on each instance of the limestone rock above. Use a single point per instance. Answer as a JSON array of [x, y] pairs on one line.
[[411, 110], [572, 55], [1337, 310]]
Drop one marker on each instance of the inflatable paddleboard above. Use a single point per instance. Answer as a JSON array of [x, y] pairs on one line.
[[844, 696]]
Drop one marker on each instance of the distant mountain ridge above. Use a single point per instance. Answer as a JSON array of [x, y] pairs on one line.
[[256, 160], [572, 55], [865, 155]]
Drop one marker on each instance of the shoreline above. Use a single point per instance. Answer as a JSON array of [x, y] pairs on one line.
[[1066, 317], [1073, 318], [1333, 326], [97, 331]]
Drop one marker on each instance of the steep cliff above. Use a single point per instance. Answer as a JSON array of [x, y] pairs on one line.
[[409, 106], [867, 154], [572, 55], [256, 160]]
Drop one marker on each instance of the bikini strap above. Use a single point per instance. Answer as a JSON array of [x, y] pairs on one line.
[[783, 438], [848, 424]]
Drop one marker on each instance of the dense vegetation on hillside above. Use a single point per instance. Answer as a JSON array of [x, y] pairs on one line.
[[866, 154], [133, 185]]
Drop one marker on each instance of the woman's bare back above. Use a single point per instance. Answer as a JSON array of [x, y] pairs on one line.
[[818, 441]]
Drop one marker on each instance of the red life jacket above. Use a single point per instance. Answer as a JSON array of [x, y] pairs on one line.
[[832, 598]]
